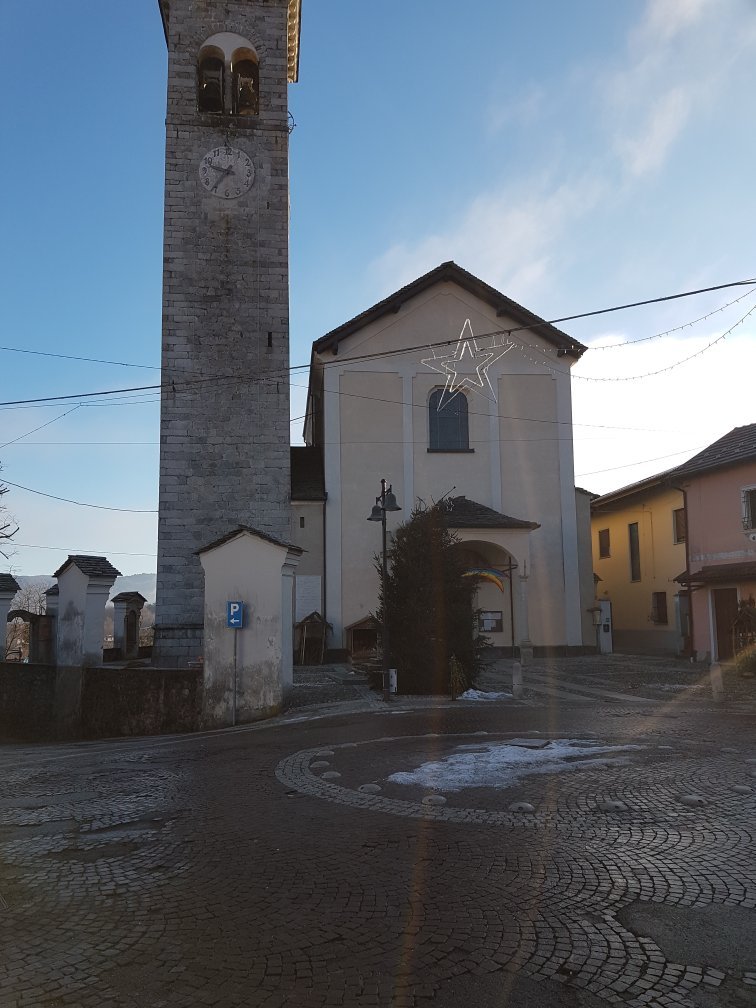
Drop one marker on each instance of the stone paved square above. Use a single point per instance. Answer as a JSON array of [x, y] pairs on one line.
[[577, 849]]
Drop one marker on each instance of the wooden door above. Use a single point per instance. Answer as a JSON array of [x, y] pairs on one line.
[[725, 611]]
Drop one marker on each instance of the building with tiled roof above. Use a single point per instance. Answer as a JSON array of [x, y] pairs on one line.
[[676, 552], [736, 447], [719, 488], [638, 537]]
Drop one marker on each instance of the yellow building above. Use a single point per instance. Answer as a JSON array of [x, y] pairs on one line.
[[638, 540]]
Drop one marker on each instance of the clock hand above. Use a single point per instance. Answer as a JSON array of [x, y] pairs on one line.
[[223, 173]]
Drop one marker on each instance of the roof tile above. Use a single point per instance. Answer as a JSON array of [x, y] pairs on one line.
[[8, 583], [463, 513], [92, 566], [737, 446]]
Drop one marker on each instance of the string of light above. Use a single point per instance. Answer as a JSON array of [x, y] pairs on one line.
[[669, 332], [638, 377]]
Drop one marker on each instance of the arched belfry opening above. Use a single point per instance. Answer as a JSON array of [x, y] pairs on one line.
[[211, 81], [228, 76], [245, 83]]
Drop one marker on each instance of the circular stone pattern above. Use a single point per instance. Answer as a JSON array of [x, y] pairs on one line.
[[565, 792]]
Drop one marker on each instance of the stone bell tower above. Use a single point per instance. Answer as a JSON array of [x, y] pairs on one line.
[[224, 426]]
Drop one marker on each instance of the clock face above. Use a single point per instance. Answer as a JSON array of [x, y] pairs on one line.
[[226, 172]]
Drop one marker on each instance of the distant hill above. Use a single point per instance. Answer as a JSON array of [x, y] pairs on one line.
[[143, 583]]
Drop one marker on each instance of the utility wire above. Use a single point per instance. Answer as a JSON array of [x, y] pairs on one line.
[[630, 465], [70, 550], [566, 318], [88, 360], [41, 427], [271, 375], [67, 500]]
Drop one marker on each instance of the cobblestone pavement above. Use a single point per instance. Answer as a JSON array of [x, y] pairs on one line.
[[279, 864]]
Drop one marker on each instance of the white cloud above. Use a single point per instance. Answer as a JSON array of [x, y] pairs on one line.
[[672, 70], [664, 121], [670, 416], [666, 18], [522, 109], [506, 237]]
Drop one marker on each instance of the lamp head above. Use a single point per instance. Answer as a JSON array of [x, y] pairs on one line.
[[390, 501], [377, 513]]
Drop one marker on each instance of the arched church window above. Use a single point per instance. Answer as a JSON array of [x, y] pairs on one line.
[[447, 422], [245, 77], [211, 82]]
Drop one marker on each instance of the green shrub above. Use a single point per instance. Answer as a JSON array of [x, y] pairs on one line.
[[429, 607], [745, 661]]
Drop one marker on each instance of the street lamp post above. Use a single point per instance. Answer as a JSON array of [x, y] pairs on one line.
[[386, 502]]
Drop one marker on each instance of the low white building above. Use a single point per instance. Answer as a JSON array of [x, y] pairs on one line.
[[450, 391]]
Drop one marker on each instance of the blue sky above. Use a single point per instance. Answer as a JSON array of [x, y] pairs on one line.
[[574, 155]]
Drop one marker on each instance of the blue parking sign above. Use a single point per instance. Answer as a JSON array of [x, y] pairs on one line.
[[234, 615]]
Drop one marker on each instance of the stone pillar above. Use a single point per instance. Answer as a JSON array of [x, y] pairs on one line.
[[127, 607], [8, 589], [84, 584], [46, 647]]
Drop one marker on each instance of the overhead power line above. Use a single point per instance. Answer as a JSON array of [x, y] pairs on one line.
[[631, 465], [71, 550], [270, 376], [41, 427], [67, 500]]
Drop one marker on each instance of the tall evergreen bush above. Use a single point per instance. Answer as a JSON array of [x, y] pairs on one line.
[[429, 606]]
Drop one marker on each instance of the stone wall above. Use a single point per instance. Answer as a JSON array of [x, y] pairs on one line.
[[41, 704], [27, 701], [139, 702]]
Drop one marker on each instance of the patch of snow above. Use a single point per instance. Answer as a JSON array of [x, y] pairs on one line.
[[500, 765], [475, 694]]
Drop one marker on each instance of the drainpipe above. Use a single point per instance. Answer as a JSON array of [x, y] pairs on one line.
[[325, 564], [688, 571]]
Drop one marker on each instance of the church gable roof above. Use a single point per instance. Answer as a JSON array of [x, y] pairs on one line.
[[450, 271]]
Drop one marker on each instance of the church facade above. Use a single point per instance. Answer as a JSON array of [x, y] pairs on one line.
[[451, 392]]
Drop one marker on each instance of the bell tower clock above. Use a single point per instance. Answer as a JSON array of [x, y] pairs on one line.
[[224, 422]]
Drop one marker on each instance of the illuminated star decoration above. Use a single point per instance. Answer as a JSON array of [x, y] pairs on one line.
[[468, 366]]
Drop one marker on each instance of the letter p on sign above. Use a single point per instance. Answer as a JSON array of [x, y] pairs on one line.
[[234, 615]]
